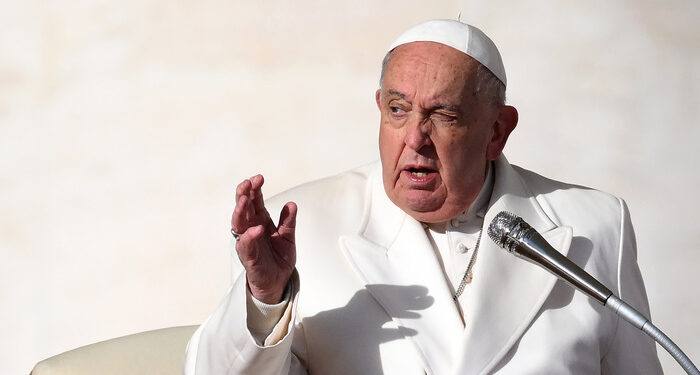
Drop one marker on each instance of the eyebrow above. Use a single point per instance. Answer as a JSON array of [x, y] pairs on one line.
[[396, 93]]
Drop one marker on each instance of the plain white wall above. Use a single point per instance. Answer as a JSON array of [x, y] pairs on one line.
[[125, 125]]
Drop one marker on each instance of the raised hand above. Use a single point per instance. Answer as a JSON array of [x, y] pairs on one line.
[[267, 252]]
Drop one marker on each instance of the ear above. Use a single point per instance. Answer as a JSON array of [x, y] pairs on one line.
[[505, 123], [377, 98]]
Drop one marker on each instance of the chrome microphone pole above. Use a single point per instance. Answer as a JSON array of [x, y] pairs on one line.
[[517, 237]]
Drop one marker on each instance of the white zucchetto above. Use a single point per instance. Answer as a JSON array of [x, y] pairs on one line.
[[460, 36]]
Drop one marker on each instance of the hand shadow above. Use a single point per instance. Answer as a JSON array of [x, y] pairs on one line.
[[360, 327]]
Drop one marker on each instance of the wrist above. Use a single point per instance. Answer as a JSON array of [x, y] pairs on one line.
[[269, 296]]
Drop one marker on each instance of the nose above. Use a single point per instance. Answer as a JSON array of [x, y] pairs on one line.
[[418, 133]]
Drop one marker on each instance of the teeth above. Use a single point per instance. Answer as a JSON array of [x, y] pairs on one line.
[[419, 174]]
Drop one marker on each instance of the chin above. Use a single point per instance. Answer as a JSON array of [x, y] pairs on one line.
[[422, 205], [428, 217], [425, 210], [430, 210]]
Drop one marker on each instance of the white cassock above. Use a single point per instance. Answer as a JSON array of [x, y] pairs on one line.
[[372, 297]]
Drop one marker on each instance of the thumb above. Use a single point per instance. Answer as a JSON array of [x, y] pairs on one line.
[[288, 221], [247, 245]]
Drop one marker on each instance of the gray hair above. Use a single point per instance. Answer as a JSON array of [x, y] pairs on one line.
[[487, 84]]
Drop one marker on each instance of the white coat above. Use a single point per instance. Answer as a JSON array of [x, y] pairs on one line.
[[373, 299]]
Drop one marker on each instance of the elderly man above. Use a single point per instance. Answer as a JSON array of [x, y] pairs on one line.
[[393, 275]]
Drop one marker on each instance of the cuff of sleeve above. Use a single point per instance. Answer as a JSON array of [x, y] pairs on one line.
[[263, 318]]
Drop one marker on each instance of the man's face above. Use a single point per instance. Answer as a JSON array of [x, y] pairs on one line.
[[436, 132]]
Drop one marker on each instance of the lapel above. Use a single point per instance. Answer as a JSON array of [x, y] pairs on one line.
[[507, 292], [391, 248]]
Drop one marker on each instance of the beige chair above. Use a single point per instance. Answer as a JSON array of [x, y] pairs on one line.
[[153, 352]]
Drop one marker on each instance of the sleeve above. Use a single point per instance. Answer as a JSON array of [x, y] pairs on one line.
[[631, 351], [263, 318], [224, 344]]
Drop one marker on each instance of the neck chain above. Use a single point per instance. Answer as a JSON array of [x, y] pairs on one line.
[[468, 274]]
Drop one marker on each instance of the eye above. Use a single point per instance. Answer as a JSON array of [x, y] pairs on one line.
[[396, 110], [443, 117]]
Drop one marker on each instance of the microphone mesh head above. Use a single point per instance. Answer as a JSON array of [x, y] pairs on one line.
[[507, 230], [500, 228]]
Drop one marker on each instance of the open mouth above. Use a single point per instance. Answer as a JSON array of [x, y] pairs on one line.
[[420, 172]]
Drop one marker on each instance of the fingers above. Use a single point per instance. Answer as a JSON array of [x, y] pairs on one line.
[[250, 206], [256, 195], [252, 187], [288, 221], [239, 212], [243, 189], [239, 219]]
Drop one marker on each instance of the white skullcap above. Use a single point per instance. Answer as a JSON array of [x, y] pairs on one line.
[[460, 36]]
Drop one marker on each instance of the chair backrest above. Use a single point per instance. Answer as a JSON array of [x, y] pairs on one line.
[[153, 352]]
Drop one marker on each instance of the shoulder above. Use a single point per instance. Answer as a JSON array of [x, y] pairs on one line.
[[568, 203], [340, 187], [603, 236], [332, 198]]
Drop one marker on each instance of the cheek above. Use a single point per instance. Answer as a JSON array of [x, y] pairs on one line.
[[451, 147], [460, 157], [389, 157], [390, 144]]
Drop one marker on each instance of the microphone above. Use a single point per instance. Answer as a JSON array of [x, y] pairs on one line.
[[517, 237], [520, 239]]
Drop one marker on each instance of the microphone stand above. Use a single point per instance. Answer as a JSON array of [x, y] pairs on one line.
[[638, 320], [520, 239]]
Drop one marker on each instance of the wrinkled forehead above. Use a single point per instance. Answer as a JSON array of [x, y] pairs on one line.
[[431, 74], [430, 61], [464, 38]]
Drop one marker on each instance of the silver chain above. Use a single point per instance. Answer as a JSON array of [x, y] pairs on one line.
[[469, 273]]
